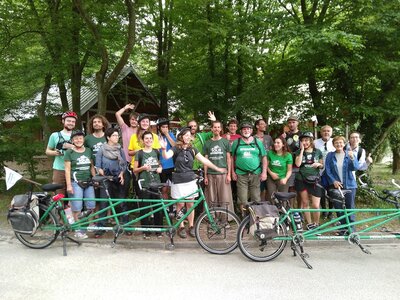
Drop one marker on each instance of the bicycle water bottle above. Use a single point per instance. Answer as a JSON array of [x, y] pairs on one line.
[[180, 214], [297, 221]]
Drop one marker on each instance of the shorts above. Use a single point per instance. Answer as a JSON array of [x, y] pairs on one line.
[[166, 176], [312, 188], [80, 193], [181, 190]]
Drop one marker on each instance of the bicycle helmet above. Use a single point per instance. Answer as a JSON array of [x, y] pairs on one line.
[[245, 124], [306, 134], [183, 131], [76, 133], [143, 116], [69, 114], [162, 121]]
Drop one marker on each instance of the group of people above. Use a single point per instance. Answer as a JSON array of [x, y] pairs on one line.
[[243, 166]]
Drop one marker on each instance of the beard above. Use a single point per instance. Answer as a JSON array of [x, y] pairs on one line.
[[246, 135]]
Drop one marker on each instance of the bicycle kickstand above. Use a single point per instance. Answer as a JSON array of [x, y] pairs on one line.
[[64, 237], [171, 232], [117, 231], [296, 244]]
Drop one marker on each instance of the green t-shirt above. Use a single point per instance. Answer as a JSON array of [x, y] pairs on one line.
[[58, 163], [198, 143], [279, 163], [308, 159], [94, 143], [80, 163], [152, 159], [216, 151], [248, 156]]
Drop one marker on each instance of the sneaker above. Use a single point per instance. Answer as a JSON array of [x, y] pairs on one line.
[[80, 235], [311, 226], [146, 236], [99, 233], [159, 235], [84, 213], [182, 233], [191, 231]]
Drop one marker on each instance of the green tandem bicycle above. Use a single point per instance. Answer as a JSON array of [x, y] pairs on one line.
[[265, 244], [38, 218]]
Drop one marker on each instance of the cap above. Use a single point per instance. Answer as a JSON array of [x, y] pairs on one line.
[[245, 124], [293, 118], [70, 114]]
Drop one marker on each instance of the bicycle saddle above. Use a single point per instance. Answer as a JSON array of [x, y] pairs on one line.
[[395, 193], [336, 195], [282, 196], [51, 187]]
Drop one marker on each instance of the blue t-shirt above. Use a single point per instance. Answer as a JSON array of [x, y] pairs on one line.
[[167, 163]]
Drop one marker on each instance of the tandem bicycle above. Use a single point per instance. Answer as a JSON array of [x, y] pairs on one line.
[[38, 218], [264, 244]]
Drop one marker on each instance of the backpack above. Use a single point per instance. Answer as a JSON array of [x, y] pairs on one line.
[[259, 151], [264, 220]]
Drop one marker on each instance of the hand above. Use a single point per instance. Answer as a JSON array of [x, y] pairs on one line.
[[58, 152], [351, 154], [159, 170], [263, 176], [337, 185], [147, 167], [163, 144], [301, 146], [316, 165], [211, 116], [221, 170], [283, 181], [228, 179], [234, 176], [205, 180], [121, 179], [369, 159], [129, 106], [164, 130], [274, 176], [70, 190]]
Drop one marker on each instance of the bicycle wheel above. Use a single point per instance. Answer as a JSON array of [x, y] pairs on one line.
[[45, 234], [217, 234], [252, 247]]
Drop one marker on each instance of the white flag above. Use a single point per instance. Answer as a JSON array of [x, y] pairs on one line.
[[11, 177]]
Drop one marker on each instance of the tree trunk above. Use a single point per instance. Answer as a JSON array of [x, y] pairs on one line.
[[41, 110], [396, 161]]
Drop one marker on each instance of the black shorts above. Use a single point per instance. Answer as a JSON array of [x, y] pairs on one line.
[[166, 174], [312, 188]]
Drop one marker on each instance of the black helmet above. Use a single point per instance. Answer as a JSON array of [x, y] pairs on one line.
[[306, 134], [183, 131], [162, 121], [76, 133], [143, 116], [245, 124]]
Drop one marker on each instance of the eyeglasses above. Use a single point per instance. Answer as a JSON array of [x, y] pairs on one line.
[[325, 147], [185, 156]]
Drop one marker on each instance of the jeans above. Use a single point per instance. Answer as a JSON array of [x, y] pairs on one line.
[[350, 204], [82, 193]]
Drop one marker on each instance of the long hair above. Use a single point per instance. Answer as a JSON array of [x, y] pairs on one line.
[[103, 119], [179, 139], [285, 148]]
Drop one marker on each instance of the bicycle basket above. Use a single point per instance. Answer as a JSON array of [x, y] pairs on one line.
[[23, 221], [264, 219]]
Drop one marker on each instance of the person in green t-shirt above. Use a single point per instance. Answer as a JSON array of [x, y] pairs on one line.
[[249, 165], [79, 169], [280, 162], [95, 133], [147, 168], [218, 185], [309, 160]]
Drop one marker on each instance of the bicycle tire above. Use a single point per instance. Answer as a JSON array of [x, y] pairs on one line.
[[250, 245], [44, 236], [219, 236]]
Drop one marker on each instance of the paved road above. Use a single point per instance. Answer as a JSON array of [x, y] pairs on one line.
[[96, 271]]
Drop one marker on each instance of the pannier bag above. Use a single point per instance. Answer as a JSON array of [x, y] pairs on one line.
[[264, 220], [23, 218], [24, 221]]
